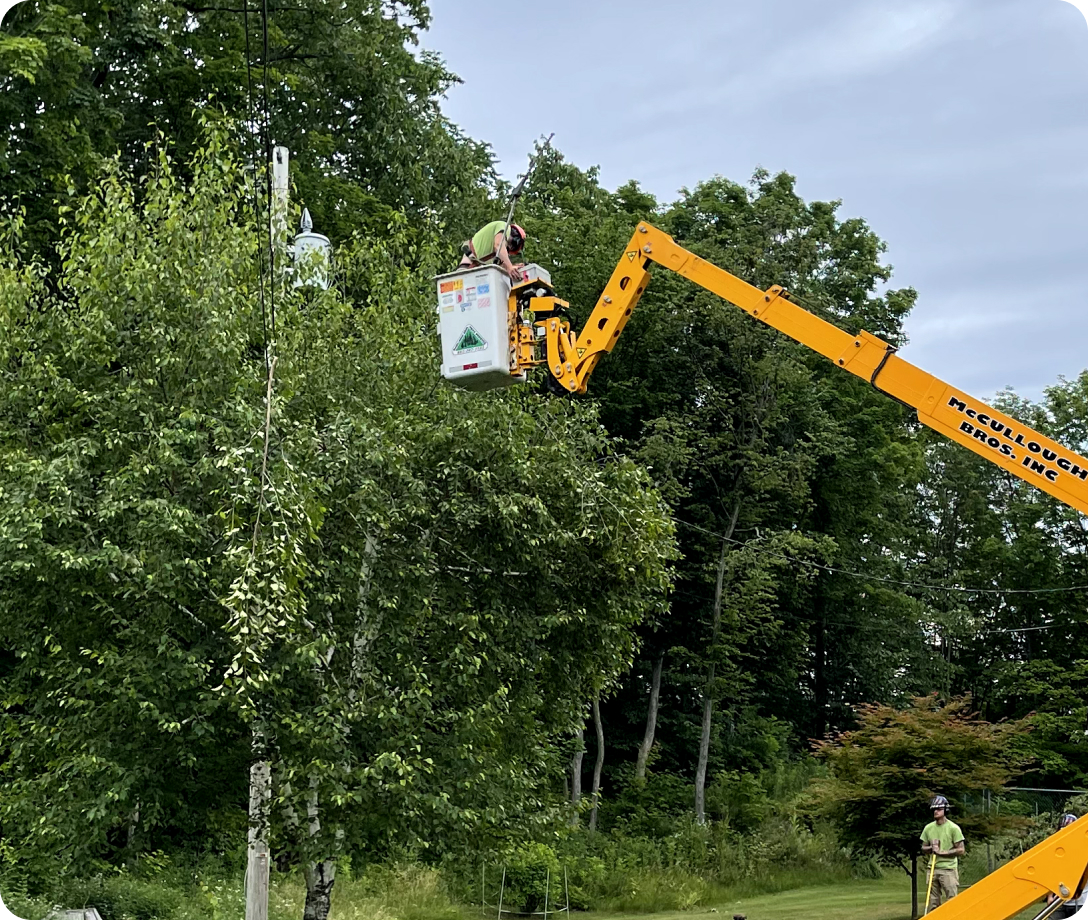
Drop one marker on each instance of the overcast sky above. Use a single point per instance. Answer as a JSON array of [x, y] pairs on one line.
[[957, 128]]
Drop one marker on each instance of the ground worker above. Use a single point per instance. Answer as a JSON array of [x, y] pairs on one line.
[[492, 244], [1070, 908], [943, 840]]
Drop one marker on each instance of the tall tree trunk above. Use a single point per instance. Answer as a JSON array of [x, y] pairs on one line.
[[651, 722], [913, 887], [576, 772], [709, 693], [599, 764], [704, 750], [260, 794], [320, 875], [820, 721]]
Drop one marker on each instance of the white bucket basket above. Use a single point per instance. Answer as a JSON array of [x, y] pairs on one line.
[[474, 322]]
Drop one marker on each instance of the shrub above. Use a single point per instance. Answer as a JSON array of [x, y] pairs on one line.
[[532, 874], [401, 891], [120, 897]]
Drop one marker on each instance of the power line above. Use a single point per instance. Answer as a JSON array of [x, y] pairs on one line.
[[1021, 629], [888, 581], [252, 121], [267, 132]]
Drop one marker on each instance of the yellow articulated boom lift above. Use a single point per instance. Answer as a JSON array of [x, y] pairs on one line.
[[526, 328]]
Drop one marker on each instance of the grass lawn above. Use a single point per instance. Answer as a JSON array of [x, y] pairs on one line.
[[883, 899]]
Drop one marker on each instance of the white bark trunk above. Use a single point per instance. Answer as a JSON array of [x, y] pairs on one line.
[[599, 764], [260, 794], [711, 690], [320, 875], [651, 722], [576, 772]]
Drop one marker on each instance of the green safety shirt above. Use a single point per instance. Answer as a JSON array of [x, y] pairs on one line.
[[949, 834], [483, 243]]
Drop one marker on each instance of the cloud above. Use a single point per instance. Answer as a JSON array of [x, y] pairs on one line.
[[864, 42], [876, 38], [868, 39]]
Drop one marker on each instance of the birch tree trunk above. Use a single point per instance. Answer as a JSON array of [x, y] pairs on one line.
[[711, 691], [320, 875], [576, 773], [599, 764], [260, 794], [651, 722]]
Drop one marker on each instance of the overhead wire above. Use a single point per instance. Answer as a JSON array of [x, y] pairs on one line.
[[267, 133], [961, 589], [884, 626], [251, 122]]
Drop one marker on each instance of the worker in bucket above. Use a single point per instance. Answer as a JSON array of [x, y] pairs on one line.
[[942, 839], [1070, 908], [492, 244]]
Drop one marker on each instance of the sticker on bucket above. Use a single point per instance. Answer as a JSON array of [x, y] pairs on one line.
[[470, 341]]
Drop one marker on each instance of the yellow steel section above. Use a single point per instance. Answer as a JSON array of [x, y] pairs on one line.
[[1056, 866], [562, 355], [605, 323], [999, 438]]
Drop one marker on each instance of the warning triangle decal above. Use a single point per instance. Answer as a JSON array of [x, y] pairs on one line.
[[631, 255], [581, 352], [470, 341]]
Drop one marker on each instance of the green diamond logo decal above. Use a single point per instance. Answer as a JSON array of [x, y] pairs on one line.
[[470, 341]]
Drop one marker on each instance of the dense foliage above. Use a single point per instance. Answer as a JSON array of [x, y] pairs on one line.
[[898, 757], [404, 589], [244, 522], [342, 84]]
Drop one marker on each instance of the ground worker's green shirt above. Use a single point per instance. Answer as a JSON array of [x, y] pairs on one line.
[[483, 243], [949, 834]]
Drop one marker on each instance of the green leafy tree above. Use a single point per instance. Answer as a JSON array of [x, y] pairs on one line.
[[347, 91], [399, 588], [885, 771], [1008, 563], [759, 447]]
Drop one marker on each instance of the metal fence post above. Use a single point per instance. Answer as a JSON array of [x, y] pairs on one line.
[[989, 851]]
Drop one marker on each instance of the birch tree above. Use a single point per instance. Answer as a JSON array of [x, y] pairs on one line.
[[397, 587]]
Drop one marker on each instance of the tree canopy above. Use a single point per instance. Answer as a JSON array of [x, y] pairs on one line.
[[242, 522], [412, 611]]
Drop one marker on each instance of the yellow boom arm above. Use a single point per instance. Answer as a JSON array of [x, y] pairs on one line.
[[991, 434], [1054, 867]]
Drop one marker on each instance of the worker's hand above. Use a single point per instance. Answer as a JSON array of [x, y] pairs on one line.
[[514, 272]]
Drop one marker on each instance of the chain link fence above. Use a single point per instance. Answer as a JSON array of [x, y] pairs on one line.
[[1037, 811]]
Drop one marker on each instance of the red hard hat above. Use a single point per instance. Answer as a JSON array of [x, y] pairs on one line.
[[516, 240]]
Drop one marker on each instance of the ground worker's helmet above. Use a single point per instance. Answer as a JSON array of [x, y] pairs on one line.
[[515, 241], [938, 801], [1066, 820]]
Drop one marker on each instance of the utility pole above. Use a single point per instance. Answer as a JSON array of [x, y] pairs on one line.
[[260, 772], [280, 196], [257, 868]]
